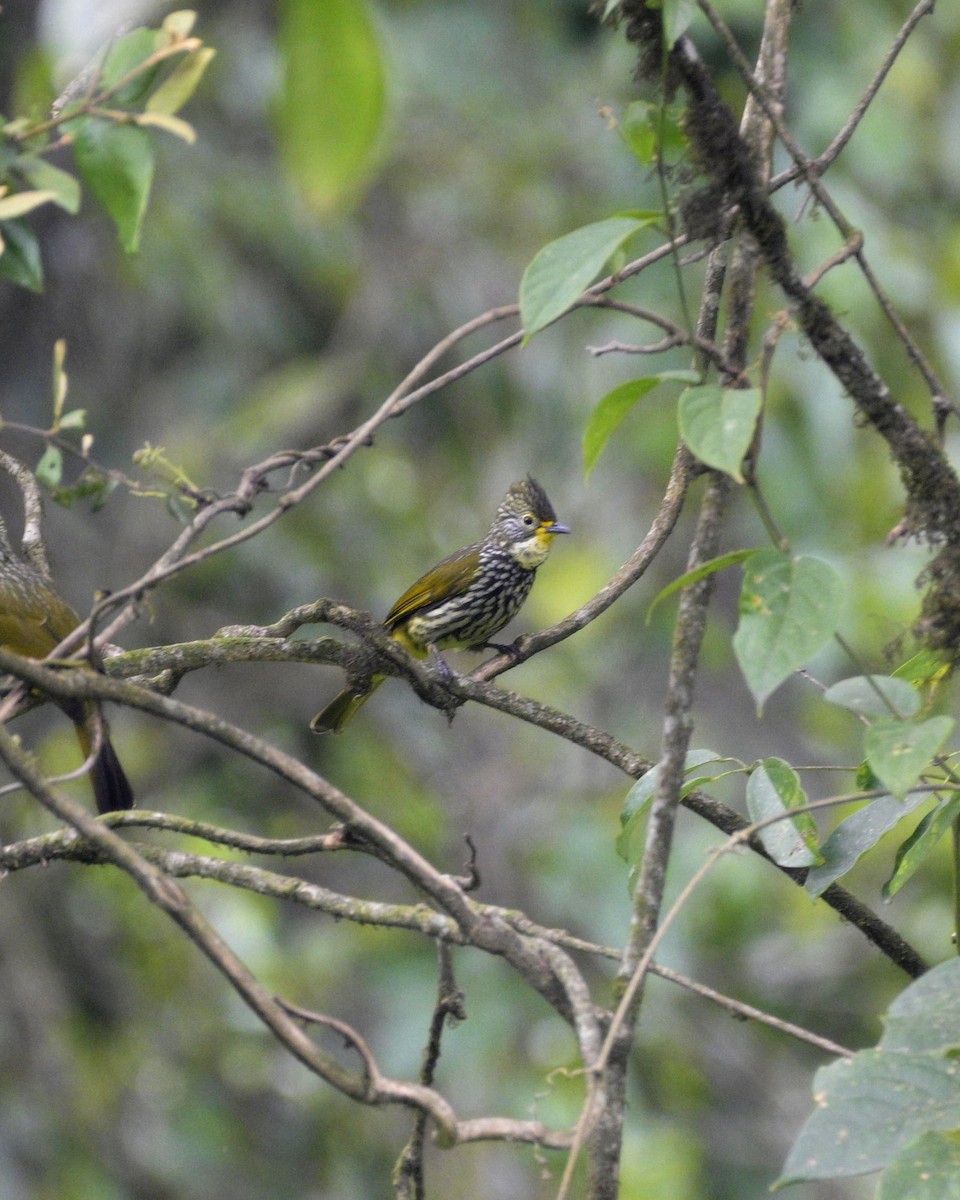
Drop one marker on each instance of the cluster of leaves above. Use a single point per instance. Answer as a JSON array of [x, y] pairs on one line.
[[105, 116], [790, 607]]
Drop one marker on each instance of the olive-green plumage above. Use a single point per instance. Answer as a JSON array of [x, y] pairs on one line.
[[33, 621], [468, 596]]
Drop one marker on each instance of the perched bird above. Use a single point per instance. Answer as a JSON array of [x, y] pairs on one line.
[[469, 596], [33, 621]]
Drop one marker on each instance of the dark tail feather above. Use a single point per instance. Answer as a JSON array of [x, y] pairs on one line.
[[111, 787]]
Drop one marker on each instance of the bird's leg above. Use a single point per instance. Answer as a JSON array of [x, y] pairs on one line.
[[512, 651], [440, 664], [447, 675]]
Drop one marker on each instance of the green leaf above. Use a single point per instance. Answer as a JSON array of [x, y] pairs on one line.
[[179, 25], [773, 789], [638, 130], [855, 835], [75, 419], [49, 469], [866, 694], [921, 843], [116, 163], [925, 1017], [677, 15], [652, 130], [93, 485], [789, 608], [332, 106], [614, 406], [20, 203], [562, 270], [927, 670], [20, 260], [866, 780], [924, 667], [873, 1110], [48, 178], [708, 568], [639, 796], [928, 1169], [718, 424], [899, 751], [181, 83], [160, 120], [125, 55]]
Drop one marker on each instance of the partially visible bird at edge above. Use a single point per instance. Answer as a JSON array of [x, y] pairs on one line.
[[468, 596], [34, 620]]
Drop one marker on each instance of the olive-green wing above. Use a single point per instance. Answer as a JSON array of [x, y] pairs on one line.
[[448, 578], [33, 621]]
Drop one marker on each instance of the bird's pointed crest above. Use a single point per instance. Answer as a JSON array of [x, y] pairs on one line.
[[526, 495]]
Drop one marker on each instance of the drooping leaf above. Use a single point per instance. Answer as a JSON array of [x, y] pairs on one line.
[[677, 15], [614, 406], [564, 268], [855, 835], [641, 793], [773, 789], [116, 163], [333, 100], [921, 843], [718, 424], [708, 568], [20, 260], [49, 469], [875, 696], [899, 751], [789, 608]]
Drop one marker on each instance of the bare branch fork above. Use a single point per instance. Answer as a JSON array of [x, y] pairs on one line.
[[368, 1086]]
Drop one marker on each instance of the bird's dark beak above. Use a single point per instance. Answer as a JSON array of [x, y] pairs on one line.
[[557, 529]]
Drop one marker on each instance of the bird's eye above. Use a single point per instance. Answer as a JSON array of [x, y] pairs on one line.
[[529, 520]]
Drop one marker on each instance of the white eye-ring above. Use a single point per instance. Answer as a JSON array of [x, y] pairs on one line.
[[529, 520]]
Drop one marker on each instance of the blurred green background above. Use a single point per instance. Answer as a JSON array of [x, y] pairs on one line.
[[249, 323]]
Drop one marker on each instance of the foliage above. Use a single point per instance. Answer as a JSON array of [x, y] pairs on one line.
[[141, 82], [522, 1008], [894, 1106]]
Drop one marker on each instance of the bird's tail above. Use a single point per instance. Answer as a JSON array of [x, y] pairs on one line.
[[111, 787], [343, 708]]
